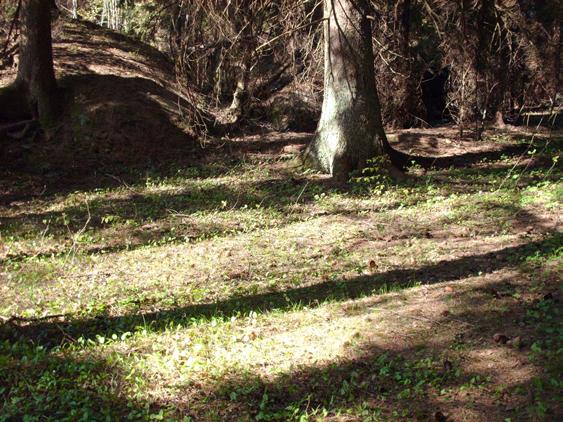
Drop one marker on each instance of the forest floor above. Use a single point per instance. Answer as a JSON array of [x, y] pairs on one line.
[[223, 281]]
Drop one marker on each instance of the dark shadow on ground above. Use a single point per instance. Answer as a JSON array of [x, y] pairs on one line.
[[380, 376], [266, 142], [116, 129], [409, 140], [81, 387], [53, 333], [154, 216], [60, 387], [399, 381]]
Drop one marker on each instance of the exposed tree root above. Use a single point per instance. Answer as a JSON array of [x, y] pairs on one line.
[[24, 127], [403, 160]]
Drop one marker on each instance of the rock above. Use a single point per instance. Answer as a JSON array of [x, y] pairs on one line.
[[440, 417], [500, 338], [516, 342], [293, 149], [289, 110], [549, 296]]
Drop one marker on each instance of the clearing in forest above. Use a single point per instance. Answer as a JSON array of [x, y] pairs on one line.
[[225, 282]]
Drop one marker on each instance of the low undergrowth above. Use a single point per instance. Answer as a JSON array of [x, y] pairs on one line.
[[256, 290]]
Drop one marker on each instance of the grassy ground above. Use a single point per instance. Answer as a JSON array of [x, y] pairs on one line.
[[242, 287], [143, 277]]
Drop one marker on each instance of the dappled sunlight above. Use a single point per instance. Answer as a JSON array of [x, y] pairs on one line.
[[505, 365], [166, 256], [305, 342], [251, 249], [294, 351]]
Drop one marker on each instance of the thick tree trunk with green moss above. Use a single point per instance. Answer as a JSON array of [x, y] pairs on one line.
[[35, 85], [350, 131]]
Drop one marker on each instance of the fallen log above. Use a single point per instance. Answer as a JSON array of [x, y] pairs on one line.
[[24, 127]]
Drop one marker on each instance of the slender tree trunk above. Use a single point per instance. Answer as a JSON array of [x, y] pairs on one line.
[[407, 91], [556, 79], [350, 131], [243, 25], [74, 10], [462, 106], [491, 60], [499, 120], [241, 94], [36, 75]]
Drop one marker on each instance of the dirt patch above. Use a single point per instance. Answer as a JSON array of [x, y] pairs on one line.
[[125, 108]]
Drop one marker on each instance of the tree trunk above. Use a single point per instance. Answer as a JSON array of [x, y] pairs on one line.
[[556, 78], [499, 120], [350, 131], [36, 75], [490, 62], [243, 22], [406, 101], [74, 10], [241, 94]]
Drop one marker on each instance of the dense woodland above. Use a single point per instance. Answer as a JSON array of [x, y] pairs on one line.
[[336, 210]]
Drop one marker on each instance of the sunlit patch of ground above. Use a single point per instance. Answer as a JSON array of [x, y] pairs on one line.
[[254, 290], [146, 276]]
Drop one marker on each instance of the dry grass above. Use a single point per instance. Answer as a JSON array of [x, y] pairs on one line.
[[235, 285], [262, 292]]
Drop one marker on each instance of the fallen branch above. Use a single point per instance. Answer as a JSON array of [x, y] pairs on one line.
[[15, 318], [18, 125]]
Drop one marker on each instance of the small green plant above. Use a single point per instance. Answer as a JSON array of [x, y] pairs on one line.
[[374, 176]]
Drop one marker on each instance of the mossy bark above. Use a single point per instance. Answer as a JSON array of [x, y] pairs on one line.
[[350, 131]]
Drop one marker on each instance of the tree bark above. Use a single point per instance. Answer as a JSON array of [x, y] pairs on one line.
[[244, 26], [36, 75], [350, 131], [556, 79], [490, 62], [406, 101], [74, 9], [499, 120], [241, 94]]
